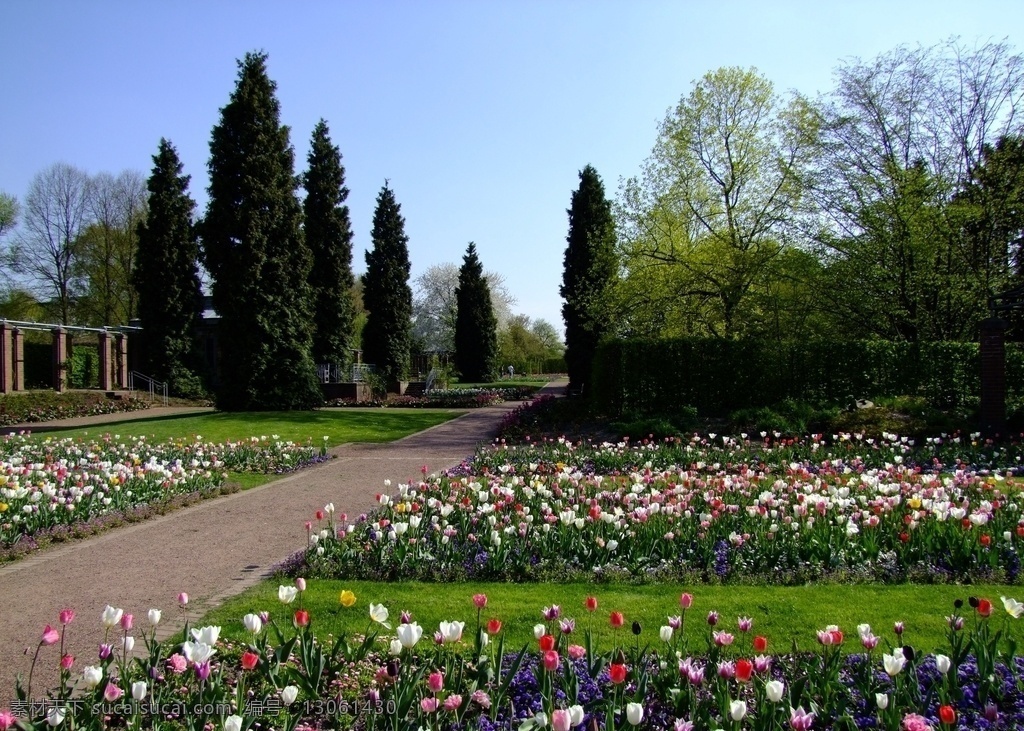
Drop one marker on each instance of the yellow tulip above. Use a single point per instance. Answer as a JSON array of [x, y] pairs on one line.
[[3, 507], [347, 598]]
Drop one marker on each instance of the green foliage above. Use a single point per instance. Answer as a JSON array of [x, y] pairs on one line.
[[166, 277], [9, 209], [84, 367], [589, 273], [253, 247], [722, 376], [386, 292], [329, 237], [658, 426], [39, 406], [476, 337], [788, 417]]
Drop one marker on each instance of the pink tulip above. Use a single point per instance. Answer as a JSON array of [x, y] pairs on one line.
[[429, 705], [300, 584], [801, 720], [745, 623], [560, 720], [452, 702], [551, 660], [67, 661], [178, 663], [7, 720], [435, 681], [127, 621], [686, 601], [480, 600], [66, 616], [50, 635], [111, 693], [577, 652], [183, 599], [105, 651]]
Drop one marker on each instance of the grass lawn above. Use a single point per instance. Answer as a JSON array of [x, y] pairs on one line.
[[538, 382], [340, 426], [787, 616]]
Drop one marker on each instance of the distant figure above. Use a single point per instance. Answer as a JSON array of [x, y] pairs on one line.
[[511, 371]]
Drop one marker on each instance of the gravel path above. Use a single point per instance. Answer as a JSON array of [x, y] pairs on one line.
[[212, 550]]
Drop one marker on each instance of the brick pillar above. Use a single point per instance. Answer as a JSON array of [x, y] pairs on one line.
[[61, 361], [121, 360], [993, 376], [106, 362], [18, 358], [6, 358]]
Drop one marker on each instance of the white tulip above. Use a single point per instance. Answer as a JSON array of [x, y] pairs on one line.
[[379, 614], [206, 635], [395, 648], [665, 633], [55, 716], [539, 631], [139, 689], [882, 701], [92, 675], [774, 690], [452, 631], [895, 662], [287, 594], [111, 616], [634, 713], [253, 623], [942, 664], [288, 694], [737, 710], [129, 643], [154, 616], [233, 723], [575, 715], [197, 652], [409, 634]]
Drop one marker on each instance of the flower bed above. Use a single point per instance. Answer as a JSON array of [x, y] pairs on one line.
[[721, 510], [699, 674], [455, 398], [49, 484], [49, 405]]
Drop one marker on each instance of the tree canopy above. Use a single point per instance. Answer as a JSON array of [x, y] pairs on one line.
[[253, 247], [476, 334]]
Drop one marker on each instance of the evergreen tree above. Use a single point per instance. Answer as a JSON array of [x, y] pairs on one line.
[[386, 292], [253, 247], [329, 238], [590, 271], [166, 275], [476, 328]]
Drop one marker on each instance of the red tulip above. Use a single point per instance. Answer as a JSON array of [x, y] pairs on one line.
[[947, 715], [743, 670], [616, 619], [984, 607], [249, 660], [617, 673], [760, 643], [301, 618], [591, 602], [547, 642], [493, 626]]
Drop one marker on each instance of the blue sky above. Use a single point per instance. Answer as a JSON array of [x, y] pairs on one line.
[[480, 114]]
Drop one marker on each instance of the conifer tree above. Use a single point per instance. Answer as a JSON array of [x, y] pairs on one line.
[[476, 328], [329, 238], [386, 293], [590, 271], [166, 276], [253, 247]]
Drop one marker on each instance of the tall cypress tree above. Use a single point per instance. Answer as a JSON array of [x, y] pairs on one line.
[[590, 271], [386, 292], [253, 247], [329, 237], [166, 275], [476, 328]]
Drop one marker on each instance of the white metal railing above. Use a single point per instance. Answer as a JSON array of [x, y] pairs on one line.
[[152, 384]]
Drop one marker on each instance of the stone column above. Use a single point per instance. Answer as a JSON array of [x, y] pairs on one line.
[[106, 362], [18, 358], [121, 360], [992, 350], [6, 358], [61, 360]]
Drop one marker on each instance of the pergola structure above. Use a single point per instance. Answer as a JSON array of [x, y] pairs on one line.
[[992, 350], [113, 354]]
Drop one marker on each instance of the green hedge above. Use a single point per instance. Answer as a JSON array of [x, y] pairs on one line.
[[719, 376]]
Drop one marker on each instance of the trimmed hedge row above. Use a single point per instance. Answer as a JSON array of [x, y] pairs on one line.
[[719, 376]]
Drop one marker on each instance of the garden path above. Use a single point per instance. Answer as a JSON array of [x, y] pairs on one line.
[[212, 550]]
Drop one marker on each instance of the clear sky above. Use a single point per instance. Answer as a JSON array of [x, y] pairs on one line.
[[480, 113]]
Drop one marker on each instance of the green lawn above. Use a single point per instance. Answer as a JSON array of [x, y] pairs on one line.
[[787, 616], [537, 382], [340, 426]]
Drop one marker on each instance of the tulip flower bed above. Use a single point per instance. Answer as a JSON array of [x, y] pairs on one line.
[[39, 406], [707, 510], [591, 670], [452, 398], [49, 485]]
